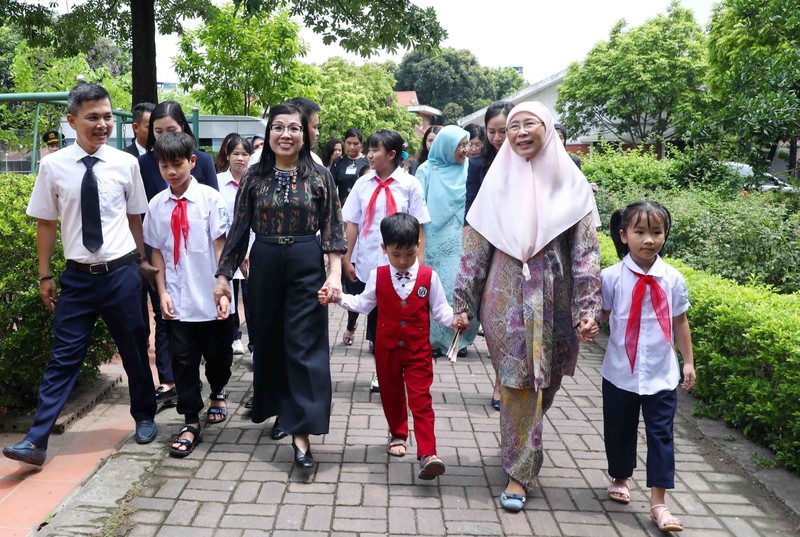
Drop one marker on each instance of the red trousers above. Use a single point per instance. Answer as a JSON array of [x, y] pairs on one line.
[[400, 371]]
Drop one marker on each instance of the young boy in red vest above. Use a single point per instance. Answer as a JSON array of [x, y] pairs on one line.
[[407, 295]]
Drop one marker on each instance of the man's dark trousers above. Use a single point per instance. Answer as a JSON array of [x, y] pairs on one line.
[[115, 296]]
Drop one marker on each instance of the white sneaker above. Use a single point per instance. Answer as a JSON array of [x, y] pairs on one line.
[[373, 386], [238, 348]]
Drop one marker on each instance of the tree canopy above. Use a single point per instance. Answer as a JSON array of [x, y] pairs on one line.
[[41, 69], [754, 74], [359, 26], [451, 76], [363, 97], [640, 84], [240, 64]]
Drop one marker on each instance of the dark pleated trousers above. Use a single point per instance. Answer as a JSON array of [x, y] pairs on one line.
[[291, 376]]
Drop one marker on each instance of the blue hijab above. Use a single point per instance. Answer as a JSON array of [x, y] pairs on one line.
[[443, 179]]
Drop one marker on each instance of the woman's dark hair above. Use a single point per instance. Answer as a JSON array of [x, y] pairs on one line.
[[221, 162], [632, 215], [497, 108], [423, 151], [327, 151], [390, 141], [400, 230], [173, 146], [167, 109], [305, 165], [235, 140], [476, 131]]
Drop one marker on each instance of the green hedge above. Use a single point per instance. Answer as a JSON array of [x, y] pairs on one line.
[[747, 355], [752, 238], [25, 325]]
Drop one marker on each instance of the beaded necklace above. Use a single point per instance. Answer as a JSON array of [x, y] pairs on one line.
[[285, 179]]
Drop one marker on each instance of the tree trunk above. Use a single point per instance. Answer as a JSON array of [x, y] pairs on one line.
[[793, 156], [143, 37]]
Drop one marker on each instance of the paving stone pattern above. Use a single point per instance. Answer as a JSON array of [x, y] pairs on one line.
[[240, 483]]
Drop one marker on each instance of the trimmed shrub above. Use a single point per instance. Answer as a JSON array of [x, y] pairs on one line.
[[25, 324], [747, 238], [615, 170], [747, 355]]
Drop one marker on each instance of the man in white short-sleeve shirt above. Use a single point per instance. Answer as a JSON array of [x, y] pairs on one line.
[[103, 245]]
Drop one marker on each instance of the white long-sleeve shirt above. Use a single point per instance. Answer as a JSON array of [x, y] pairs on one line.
[[441, 311]]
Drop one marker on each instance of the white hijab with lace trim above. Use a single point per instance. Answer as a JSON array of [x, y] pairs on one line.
[[523, 204]]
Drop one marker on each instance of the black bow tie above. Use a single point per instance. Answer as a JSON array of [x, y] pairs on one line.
[[401, 275]]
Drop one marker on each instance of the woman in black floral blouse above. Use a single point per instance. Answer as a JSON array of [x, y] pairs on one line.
[[286, 199]]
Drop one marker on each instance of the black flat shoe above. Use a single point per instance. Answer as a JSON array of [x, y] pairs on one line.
[[277, 433], [166, 398], [249, 404], [303, 460]]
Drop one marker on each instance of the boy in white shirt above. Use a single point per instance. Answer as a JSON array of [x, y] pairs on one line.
[[186, 228]]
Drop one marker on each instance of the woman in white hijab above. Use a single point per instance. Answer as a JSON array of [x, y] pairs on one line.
[[532, 262]]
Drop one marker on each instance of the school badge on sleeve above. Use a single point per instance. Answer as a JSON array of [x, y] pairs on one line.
[[422, 292]]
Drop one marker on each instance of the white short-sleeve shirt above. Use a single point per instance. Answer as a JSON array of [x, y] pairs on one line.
[[191, 283], [57, 193], [656, 368], [408, 197]]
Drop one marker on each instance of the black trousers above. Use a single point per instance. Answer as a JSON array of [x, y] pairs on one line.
[[352, 288], [163, 357], [189, 343], [620, 427], [291, 375]]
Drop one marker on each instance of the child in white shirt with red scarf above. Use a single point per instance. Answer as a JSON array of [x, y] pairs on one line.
[[646, 300]]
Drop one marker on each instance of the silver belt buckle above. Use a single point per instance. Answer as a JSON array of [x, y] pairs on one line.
[[285, 240], [103, 266]]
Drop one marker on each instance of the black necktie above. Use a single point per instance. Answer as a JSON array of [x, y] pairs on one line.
[[90, 207]]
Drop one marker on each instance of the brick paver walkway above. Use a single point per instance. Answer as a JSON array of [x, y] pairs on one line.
[[240, 483]]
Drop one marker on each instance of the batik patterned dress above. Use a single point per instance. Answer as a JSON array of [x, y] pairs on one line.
[[530, 328]]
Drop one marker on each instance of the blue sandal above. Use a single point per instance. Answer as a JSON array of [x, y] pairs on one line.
[[512, 502], [217, 414]]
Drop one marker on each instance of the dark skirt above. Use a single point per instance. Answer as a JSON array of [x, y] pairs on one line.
[[291, 376]]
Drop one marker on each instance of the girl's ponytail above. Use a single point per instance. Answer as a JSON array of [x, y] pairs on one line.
[[617, 224]]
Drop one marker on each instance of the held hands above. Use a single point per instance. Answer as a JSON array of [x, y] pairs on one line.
[[332, 288], [222, 297], [223, 308], [588, 329], [326, 296], [460, 321], [689, 377]]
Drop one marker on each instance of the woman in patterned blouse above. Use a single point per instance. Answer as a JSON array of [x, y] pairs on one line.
[[286, 199], [532, 262]]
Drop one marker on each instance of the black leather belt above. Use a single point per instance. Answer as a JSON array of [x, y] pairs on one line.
[[102, 268], [285, 240]]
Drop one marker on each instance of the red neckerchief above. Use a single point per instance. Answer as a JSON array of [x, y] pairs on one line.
[[660, 305], [391, 206], [180, 226]]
